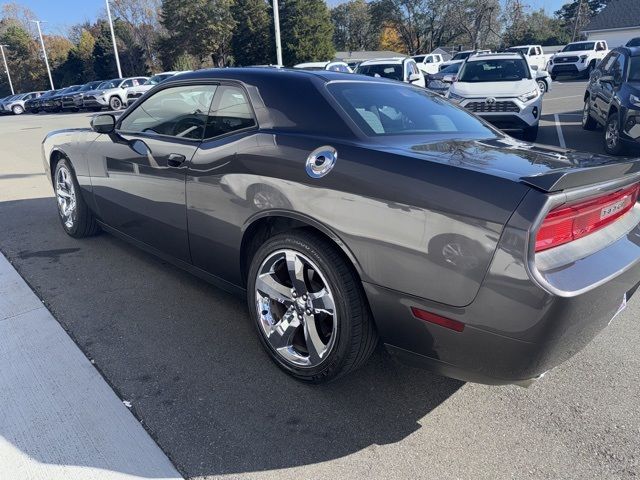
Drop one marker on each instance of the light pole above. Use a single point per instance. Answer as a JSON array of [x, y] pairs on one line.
[[113, 39], [276, 22], [6, 67], [44, 51]]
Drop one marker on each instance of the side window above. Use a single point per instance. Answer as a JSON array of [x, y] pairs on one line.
[[230, 111], [532, 51], [139, 81], [177, 112], [607, 62], [617, 69], [429, 59], [127, 84]]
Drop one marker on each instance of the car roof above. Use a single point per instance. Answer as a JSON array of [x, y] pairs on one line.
[[385, 61], [631, 51], [494, 56]]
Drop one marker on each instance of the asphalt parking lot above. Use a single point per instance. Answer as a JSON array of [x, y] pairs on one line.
[[184, 354]]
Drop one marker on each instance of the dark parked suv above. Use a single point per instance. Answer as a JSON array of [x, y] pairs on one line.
[[612, 99]]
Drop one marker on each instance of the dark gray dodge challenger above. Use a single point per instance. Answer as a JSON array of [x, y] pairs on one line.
[[350, 209]]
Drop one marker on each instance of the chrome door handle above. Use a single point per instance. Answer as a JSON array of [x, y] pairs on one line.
[[176, 159]]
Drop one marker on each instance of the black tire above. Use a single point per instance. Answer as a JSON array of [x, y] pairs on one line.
[[613, 145], [588, 122], [356, 336], [96, 109], [84, 222], [553, 77], [590, 69], [530, 134]]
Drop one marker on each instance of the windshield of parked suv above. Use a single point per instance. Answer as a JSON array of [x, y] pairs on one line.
[[524, 50], [461, 56], [419, 58], [451, 68], [156, 79], [89, 86], [402, 110], [494, 70], [634, 69], [108, 85], [394, 72], [577, 47]]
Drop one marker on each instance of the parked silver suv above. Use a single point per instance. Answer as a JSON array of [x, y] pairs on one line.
[[15, 105], [111, 94]]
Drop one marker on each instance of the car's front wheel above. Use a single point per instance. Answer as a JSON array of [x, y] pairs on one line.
[[115, 103], [613, 144], [76, 217], [542, 85], [17, 110], [309, 307]]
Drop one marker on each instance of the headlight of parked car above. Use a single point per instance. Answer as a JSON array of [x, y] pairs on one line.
[[454, 97], [529, 95], [634, 100]]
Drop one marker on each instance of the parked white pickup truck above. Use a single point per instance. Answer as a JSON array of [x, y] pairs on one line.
[[534, 54], [429, 63], [578, 58]]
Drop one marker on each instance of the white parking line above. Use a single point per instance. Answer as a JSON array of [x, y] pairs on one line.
[[562, 98], [58, 417], [559, 130]]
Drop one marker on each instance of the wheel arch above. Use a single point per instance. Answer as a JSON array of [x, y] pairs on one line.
[[54, 157], [267, 224]]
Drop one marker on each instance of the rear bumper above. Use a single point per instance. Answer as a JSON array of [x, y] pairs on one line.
[[518, 326]]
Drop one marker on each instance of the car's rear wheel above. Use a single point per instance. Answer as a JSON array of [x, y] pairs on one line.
[[115, 103], [76, 217], [613, 144], [309, 307], [588, 122], [530, 134]]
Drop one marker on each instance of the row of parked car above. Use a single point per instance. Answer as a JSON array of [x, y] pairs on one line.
[[113, 94]]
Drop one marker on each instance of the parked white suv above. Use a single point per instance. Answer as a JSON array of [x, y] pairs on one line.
[[403, 69], [134, 93], [501, 88], [335, 66], [111, 94], [534, 54], [429, 63], [578, 58]]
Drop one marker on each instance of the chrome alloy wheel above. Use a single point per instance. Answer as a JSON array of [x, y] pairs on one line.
[[295, 307], [66, 196], [611, 135]]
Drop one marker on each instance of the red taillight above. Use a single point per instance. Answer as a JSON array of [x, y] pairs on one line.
[[571, 222], [437, 319]]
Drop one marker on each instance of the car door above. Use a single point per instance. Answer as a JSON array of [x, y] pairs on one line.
[[596, 87], [219, 192], [138, 172], [606, 89]]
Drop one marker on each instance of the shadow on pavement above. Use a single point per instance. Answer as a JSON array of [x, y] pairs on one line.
[[187, 358]]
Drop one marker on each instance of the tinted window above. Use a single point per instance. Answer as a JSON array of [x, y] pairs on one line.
[[394, 72], [420, 58], [576, 47], [127, 83], [156, 79], [607, 62], [230, 111], [517, 49], [494, 70], [177, 111], [398, 110], [461, 55], [107, 85], [634, 42], [451, 68], [617, 69]]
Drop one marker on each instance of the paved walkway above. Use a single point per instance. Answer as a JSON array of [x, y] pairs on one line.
[[58, 417]]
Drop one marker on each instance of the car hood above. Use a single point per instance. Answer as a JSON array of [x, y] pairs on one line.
[[545, 167], [572, 53], [496, 89]]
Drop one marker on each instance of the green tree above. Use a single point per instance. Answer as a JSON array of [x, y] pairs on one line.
[[23, 56], [576, 14], [307, 32], [104, 61], [200, 28], [252, 42], [353, 28]]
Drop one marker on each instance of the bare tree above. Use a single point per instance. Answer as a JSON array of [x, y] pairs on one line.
[[142, 18]]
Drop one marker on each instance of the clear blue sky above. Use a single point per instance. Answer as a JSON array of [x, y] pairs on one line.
[[61, 14]]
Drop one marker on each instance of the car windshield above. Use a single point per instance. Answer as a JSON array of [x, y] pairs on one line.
[[451, 68], [461, 55], [394, 72], [108, 85], [49, 93], [419, 58], [577, 47], [518, 49], [89, 86], [156, 79], [495, 70], [634, 69], [386, 109]]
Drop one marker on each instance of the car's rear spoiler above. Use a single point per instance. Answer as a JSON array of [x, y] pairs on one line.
[[566, 178]]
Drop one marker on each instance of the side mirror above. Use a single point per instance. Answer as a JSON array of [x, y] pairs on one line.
[[534, 67], [105, 123], [448, 78], [414, 77]]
